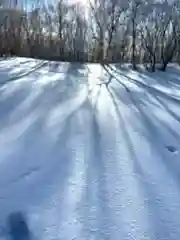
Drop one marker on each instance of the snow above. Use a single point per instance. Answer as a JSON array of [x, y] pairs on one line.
[[80, 159]]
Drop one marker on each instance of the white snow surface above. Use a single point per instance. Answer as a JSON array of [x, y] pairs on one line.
[[84, 160]]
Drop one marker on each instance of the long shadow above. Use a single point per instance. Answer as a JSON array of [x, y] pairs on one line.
[[157, 213], [171, 113], [10, 100], [145, 187], [141, 100], [72, 82], [53, 66], [126, 137], [168, 79], [96, 194], [17, 226], [150, 191], [24, 74], [144, 85], [172, 76], [155, 94], [78, 70], [153, 130], [39, 163], [23, 99], [96, 97], [9, 67], [51, 95], [112, 77]]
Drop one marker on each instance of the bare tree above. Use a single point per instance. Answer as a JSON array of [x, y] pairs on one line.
[[169, 35], [108, 16], [134, 8], [150, 35], [107, 31]]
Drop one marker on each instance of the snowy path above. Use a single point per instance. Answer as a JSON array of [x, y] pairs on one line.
[[81, 160]]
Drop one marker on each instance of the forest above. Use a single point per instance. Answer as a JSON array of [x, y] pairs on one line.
[[104, 31]]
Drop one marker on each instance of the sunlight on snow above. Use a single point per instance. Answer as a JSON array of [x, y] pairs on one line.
[[95, 74], [101, 161], [50, 78], [61, 112]]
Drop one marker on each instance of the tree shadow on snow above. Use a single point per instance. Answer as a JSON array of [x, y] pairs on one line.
[[76, 74], [154, 129], [169, 79], [54, 152], [152, 126], [155, 93], [126, 136], [96, 211], [49, 143], [23, 98], [75, 69], [7, 75]]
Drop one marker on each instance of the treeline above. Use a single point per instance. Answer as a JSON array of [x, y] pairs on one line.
[[143, 31]]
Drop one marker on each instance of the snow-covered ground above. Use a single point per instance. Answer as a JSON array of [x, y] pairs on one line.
[[88, 161]]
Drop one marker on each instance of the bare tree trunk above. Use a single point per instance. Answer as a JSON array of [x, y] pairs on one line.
[[133, 58], [134, 33]]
